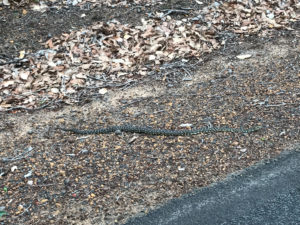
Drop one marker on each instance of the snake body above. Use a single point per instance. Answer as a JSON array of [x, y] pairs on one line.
[[163, 132]]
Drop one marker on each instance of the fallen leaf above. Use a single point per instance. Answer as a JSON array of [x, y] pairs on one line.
[[5, 2], [244, 56], [152, 57], [103, 91], [41, 7], [55, 90], [77, 82], [49, 43], [43, 200], [22, 54], [24, 75], [7, 83]]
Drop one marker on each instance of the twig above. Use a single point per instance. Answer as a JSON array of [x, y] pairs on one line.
[[20, 156], [28, 109], [159, 111], [112, 85], [132, 102], [15, 61], [171, 11], [94, 78], [281, 104]]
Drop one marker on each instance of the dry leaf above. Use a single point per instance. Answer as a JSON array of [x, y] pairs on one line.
[[7, 83], [244, 56], [103, 91], [5, 2], [24, 75], [55, 90], [22, 54], [41, 7]]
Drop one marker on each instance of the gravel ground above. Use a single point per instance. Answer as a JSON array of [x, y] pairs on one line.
[[52, 176]]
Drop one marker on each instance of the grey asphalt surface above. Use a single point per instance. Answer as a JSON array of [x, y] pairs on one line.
[[266, 193]]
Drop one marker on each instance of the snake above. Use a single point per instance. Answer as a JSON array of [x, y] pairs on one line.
[[162, 132]]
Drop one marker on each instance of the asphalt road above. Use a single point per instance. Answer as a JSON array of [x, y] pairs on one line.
[[266, 193]]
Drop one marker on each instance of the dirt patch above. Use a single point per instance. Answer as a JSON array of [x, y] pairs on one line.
[[113, 178]]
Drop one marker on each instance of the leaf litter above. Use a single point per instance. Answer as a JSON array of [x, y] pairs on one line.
[[114, 52]]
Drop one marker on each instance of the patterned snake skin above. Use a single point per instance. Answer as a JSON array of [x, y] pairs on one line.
[[164, 132]]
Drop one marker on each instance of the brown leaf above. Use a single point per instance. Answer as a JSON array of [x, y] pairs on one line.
[[24, 75], [77, 82], [8, 83]]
